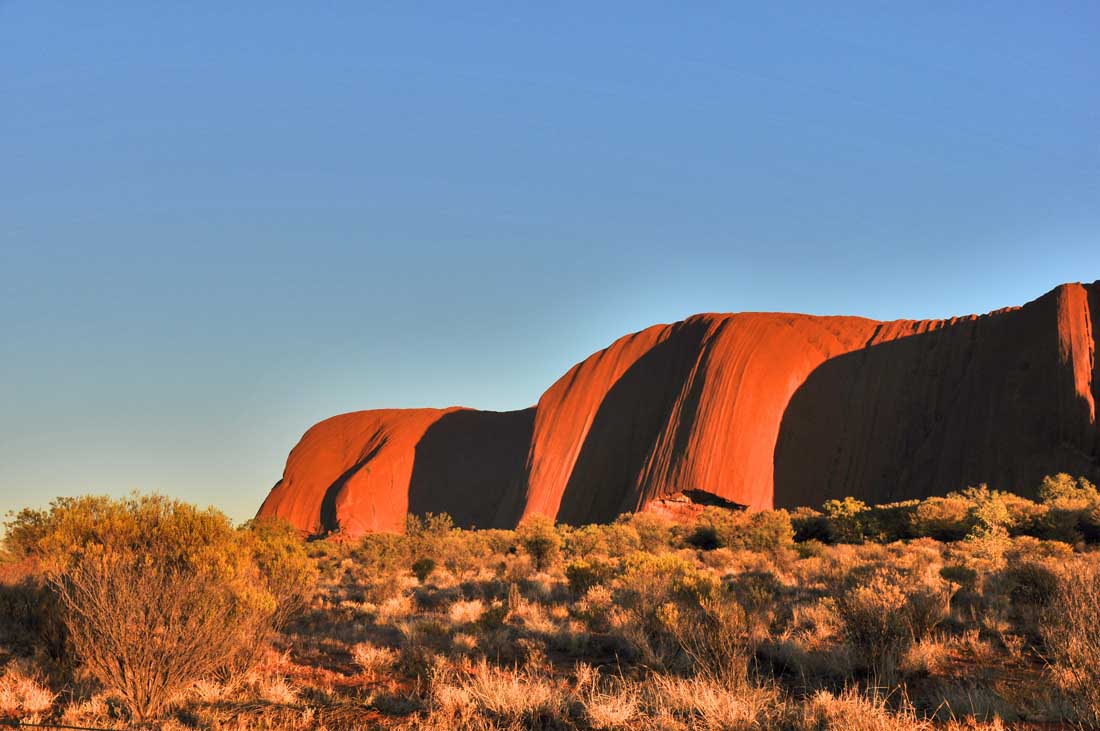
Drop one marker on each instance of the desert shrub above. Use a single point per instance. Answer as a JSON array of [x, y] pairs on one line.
[[768, 530], [422, 568], [704, 537], [493, 617], [288, 572], [30, 616], [24, 531], [976, 512], [811, 548], [656, 593], [616, 539], [847, 520], [885, 615], [707, 704], [492, 697], [1025, 517], [852, 711], [715, 636], [594, 609], [989, 514], [382, 553], [1072, 509], [156, 594], [539, 539], [964, 576], [654, 532], [942, 518], [583, 574], [1055, 488], [1029, 583], [891, 522], [372, 659], [810, 525], [1070, 628], [756, 591]]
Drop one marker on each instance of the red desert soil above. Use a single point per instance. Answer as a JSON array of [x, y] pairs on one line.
[[760, 409]]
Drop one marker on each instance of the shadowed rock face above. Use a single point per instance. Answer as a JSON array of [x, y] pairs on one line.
[[760, 409]]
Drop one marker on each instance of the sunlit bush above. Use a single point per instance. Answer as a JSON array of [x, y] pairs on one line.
[[768, 530], [540, 540], [157, 594]]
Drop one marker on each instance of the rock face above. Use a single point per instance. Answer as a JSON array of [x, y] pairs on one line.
[[759, 409]]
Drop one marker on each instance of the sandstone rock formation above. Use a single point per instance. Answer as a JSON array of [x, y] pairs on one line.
[[760, 409]]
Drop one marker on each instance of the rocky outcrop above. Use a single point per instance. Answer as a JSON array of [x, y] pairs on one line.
[[759, 409]]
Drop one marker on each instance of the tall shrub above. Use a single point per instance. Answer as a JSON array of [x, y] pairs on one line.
[[156, 594]]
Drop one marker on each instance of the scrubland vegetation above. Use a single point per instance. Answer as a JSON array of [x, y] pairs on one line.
[[976, 610]]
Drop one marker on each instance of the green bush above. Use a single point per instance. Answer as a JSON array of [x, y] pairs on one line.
[[1059, 487], [583, 574], [541, 542], [942, 518], [847, 520], [289, 573], [764, 531], [422, 568], [654, 532]]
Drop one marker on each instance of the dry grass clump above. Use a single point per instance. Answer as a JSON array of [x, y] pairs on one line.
[[466, 612], [372, 659], [1071, 631], [855, 711], [706, 703], [516, 698], [22, 694]]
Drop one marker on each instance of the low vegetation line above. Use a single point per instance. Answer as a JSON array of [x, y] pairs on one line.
[[975, 610]]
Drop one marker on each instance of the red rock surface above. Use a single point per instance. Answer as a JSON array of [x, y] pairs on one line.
[[761, 409]]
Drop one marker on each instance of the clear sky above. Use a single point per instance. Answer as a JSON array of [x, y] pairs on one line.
[[223, 222]]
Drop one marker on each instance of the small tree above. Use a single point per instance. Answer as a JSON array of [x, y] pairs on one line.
[[537, 536]]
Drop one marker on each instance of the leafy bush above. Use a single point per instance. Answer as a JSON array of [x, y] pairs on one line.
[[289, 573], [422, 568], [582, 575], [847, 520], [942, 518], [616, 539], [539, 539], [1060, 487], [765, 531], [654, 532]]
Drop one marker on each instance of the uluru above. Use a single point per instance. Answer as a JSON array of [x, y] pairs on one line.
[[759, 409]]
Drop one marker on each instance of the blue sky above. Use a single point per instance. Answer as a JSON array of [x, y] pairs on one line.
[[219, 225]]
